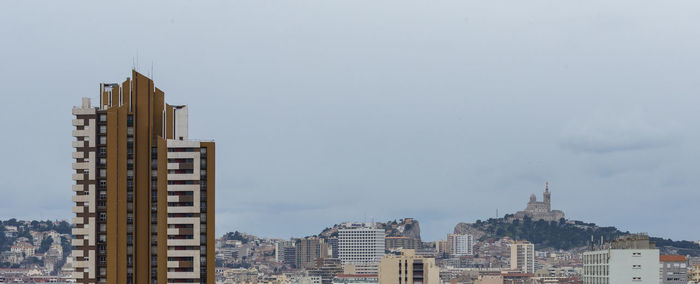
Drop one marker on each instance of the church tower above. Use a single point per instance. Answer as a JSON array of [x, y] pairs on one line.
[[547, 200]]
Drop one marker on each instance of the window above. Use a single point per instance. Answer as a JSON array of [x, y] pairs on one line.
[[103, 172], [103, 129], [103, 139], [129, 131], [103, 117], [103, 216]]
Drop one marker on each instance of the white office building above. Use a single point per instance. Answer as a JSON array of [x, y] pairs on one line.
[[361, 246], [632, 259]]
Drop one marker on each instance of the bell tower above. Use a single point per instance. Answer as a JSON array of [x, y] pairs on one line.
[[547, 196]]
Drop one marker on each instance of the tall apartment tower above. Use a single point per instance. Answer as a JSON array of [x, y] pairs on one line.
[[522, 257], [144, 193]]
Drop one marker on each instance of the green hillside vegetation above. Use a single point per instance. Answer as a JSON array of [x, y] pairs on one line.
[[564, 235]]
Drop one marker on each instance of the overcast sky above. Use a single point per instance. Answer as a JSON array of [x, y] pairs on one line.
[[332, 111]]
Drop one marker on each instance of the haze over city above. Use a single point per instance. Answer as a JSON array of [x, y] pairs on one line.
[[325, 112]]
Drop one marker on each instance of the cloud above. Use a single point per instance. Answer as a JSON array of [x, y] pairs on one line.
[[616, 131]]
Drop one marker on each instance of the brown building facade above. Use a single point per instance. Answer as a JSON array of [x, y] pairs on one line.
[[144, 193]]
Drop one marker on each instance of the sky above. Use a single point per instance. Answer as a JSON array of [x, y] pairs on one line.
[[333, 111]]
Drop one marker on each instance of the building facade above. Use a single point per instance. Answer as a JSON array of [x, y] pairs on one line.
[[393, 243], [459, 245], [522, 257], [144, 192], [408, 268], [308, 250], [674, 269], [361, 245], [632, 259]]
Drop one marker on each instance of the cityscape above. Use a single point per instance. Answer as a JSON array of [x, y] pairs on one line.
[[339, 142]]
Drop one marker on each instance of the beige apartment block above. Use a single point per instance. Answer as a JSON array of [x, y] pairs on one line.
[[408, 268]]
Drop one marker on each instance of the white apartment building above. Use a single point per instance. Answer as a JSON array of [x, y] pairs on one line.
[[629, 260], [361, 245], [460, 245], [522, 257]]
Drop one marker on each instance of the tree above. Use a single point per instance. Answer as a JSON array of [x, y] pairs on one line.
[[63, 228], [45, 245]]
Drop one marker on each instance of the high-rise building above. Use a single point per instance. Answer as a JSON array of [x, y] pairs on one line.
[[144, 192], [408, 268], [280, 247], [630, 259], [459, 245], [308, 250], [361, 245], [674, 269], [522, 257]]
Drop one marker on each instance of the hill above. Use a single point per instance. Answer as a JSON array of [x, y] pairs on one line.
[[407, 227], [561, 235]]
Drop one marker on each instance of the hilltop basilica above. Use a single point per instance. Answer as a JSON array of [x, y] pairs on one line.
[[540, 210]]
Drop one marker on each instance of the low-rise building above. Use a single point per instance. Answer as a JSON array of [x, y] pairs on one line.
[[674, 269], [408, 268]]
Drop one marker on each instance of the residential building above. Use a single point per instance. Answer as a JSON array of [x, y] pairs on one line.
[[356, 279], [630, 259], [280, 249], [308, 250], [694, 274], [674, 269], [522, 257], [26, 249], [459, 245], [144, 192], [408, 268], [327, 269], [393, 243], [361, 245]]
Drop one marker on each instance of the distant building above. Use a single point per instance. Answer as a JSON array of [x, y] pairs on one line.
[[441, 248], [695, 274], [393, 243], [333, 246], [674, 269], [459, 245], [308, 250], [630, 259], [290, 256], [327, 269], [408, 268], [280, 249], [540, 210], [24, 248], [356, 279], [522, 257], [361, 245]]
